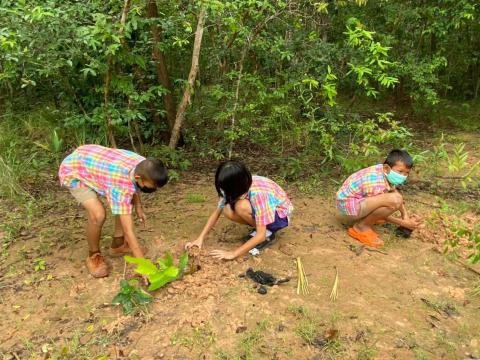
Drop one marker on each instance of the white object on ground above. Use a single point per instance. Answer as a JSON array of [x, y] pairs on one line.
[[254, 252], [254, 232]]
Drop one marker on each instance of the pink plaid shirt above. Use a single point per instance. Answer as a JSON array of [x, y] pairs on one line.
[[364, 183], [109, 172], [266, 198]]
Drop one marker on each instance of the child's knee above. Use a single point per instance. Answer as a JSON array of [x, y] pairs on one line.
[[396, 200], [97, 217]]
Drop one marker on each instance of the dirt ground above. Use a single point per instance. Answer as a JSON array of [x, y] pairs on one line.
[[407, 301]]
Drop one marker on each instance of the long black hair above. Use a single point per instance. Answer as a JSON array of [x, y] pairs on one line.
[[234, 179]]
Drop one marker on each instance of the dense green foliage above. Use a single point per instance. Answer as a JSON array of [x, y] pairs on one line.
[[281, 77]]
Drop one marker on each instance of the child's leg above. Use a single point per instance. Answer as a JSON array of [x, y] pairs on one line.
[[95, 220], [118, 238], [243, 213], [379, 207]]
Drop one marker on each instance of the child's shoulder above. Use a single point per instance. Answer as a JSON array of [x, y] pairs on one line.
[[374, 169], [368, 172], [261, 183]]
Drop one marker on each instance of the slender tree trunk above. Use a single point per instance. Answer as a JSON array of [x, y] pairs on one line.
[[237, 93], [106, 103], [191, 78], [162, 71], [108, 77], [245, 50]]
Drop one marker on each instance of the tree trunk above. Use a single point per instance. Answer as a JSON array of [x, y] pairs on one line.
[[191, 78], [159, 57], [106, 103], [108, 77], [237, 93]]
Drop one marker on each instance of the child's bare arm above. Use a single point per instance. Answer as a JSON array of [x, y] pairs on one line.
[[137, 203], [250, 244], [403, 211], [410, 223], [212, 220], [129, 233]]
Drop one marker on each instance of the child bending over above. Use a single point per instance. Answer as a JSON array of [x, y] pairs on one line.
[[369, 197], [251, 200], [119, 175]]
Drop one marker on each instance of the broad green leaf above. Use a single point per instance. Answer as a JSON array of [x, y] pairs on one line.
[[119, 299], [141, 297], [183, 261], [166, 262], [145, 266]]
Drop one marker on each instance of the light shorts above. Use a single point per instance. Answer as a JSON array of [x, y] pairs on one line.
[[82, 194], [362, 212]]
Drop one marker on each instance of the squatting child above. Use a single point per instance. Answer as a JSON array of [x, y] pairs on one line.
[[370, 197], [250, 200], [119, 176]]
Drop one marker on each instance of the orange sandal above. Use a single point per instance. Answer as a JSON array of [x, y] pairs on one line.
[[368, 237]]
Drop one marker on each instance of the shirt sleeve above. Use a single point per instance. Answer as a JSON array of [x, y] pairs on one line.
[[263, 209], [120, 201]]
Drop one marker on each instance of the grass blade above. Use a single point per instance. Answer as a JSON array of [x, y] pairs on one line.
[[334, 293]]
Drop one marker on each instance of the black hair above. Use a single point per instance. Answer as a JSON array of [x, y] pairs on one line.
[[398, 155], [234, 178], [153, 169]]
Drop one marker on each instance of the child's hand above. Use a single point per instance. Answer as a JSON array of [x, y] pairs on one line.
[[141, 215], [223, 255], [412, 223], [198, 243]]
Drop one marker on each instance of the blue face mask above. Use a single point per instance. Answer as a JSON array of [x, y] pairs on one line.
[[395, 178]]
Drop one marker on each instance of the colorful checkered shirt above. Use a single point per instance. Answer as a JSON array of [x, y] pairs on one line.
[[364, 183], [266, 198], [109, 172]]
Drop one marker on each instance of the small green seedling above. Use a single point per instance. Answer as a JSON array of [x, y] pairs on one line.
[[194, 198], [39, 264], [131, 296], [165, 273]]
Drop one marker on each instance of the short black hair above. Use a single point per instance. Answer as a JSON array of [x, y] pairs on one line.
[[234, 178], [398, 155], [153, 169]]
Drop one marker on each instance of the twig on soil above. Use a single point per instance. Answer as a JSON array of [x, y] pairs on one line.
[[427, 204], [376, 250], [124, 268], [467, 267], [6, 286], [302, 284], [459, 262], [334, 293]]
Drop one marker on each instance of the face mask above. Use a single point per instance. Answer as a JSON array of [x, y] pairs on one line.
[[146, 189], [395, 178]]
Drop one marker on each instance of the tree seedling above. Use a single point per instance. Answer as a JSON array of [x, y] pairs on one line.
[[165, 273], [131, 296], [39, 264]]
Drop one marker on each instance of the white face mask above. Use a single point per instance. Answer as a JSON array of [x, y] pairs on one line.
[[222, 192]]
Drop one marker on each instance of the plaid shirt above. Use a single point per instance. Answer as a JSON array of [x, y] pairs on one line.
[[107, 171], [266, 198], [364, 183]]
